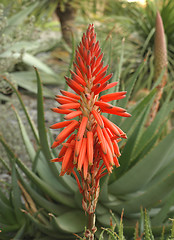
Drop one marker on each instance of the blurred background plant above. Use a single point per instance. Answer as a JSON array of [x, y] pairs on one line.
[[34, 201]]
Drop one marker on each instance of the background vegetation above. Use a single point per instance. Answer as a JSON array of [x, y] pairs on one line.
[[34, 201]]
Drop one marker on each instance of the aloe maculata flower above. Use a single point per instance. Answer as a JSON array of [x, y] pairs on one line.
[[91, 142]]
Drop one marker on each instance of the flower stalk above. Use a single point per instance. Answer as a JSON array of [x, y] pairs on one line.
[[89, 143]]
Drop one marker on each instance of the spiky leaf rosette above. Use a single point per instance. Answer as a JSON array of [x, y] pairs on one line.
[[92, 140]]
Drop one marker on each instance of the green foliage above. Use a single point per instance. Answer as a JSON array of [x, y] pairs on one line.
[[146, 179], [136, 25], [19, 45], [50, 206]]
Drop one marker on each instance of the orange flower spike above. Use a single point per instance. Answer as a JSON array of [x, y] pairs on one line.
[[109, 154], [101, 138], [93, 150], [62, 101], [60, 125], [116, 148], [67, 98], [107, 164], [82, 154], [105, 79], [67, 157], [110, 85], [57, 159], [62, 111], [105, 105], [70, 105], [108, 139], [82, 128], [69, 94], [64, 148], [85, 167], [77, 149], [116, 162], [55, 144], [73, 115], [67, 131], [90, 147], [78, 182], [113, 96], [98, 118], [111, 126], [78, 79]]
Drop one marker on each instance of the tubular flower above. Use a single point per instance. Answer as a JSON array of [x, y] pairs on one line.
[[91, 142]]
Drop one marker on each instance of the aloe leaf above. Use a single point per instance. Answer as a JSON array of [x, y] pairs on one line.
[[41, 120], [147, 199], [6, 228], [136, 112], [104, 189], [72, 221], [32, 86], [35, 161], [104, 219], [129, 147], [149, 37], [25, 110], [26, 140], [161, 215], [147, 148], [42, 168], [16, 196], [33, 61], [20, 233], [131, 84], [19, 17], [144, 170], [30, 76], [155, 125], [7, 213], [100, 210], [47, 229], [42, 201], [30, 60], [4, 198], [45, 173], [48, 189], [164, 169], [10, 153], [4, 163]]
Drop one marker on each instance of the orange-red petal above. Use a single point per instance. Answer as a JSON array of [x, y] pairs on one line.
[[61, 111], [73, 115], [102, 139], [67, 131], [98, 118], [90, 146], [113, 96], [60, 124], [82, 128], [70, 105], [63, 150], [82, 154], [110, 125], [69, 94]]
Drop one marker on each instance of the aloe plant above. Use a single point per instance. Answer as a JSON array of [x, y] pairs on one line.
[[19, 46], [51, 205]]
